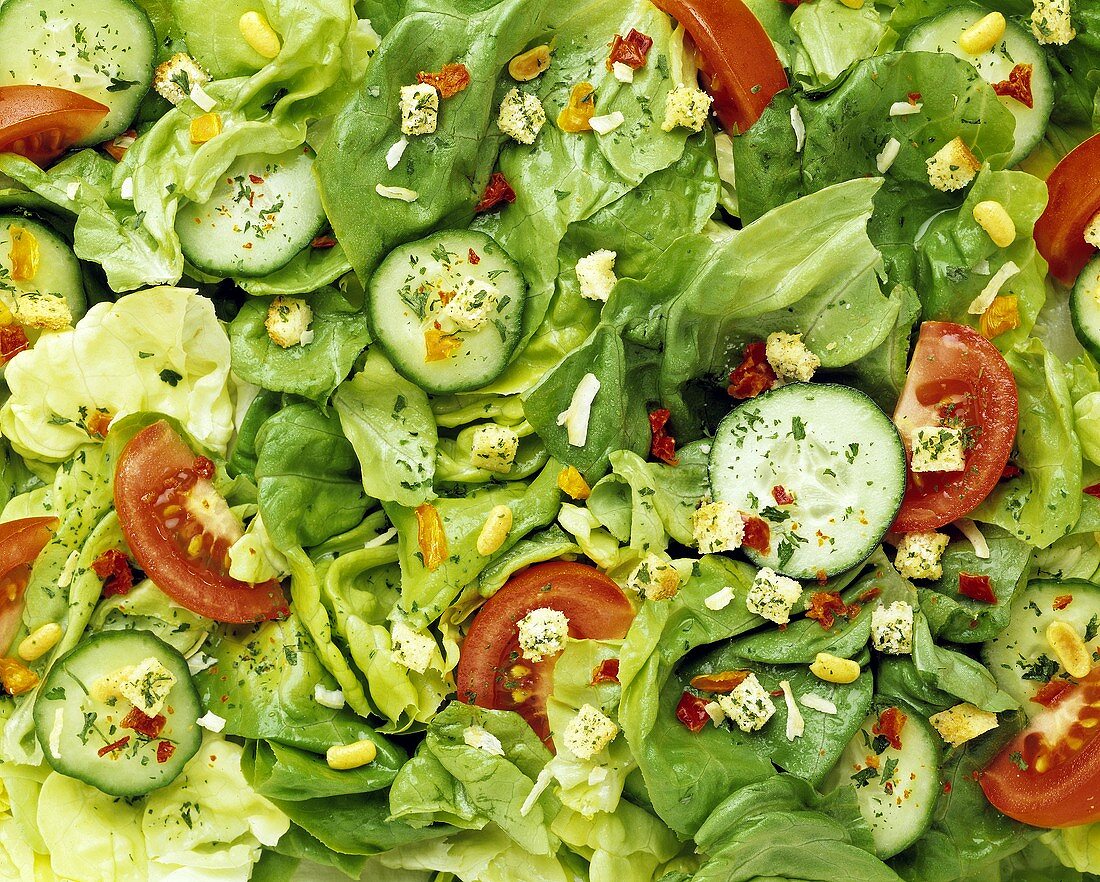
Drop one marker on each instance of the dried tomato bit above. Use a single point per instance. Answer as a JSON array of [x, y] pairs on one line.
[[323, 241], [116, 148], [758, 535], [890, 723], [781, 495], [13, 340], [754, 375], [913, 97], [1011, 471], [99, 423], [663, 445], [113, 567], [692, 712], [165, 749], [869, 595], [473, 257], [110, 748], [430, 536], [606, 671], [1093, 490], [1018, 85], [1062, 601], [1052, 692], [497, 191], [143, 724], [946, 786], [826, 606], [724, 681], [451, 79], [631, 50], [976, 587]]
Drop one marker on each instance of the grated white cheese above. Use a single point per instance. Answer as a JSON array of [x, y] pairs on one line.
[[401, 193], [796, 725], [799, 129], [889, 153], [904, 108], [720, 599], [333, 698], [55, 733], [543, 781], [394, 154], [199, 95], [603, 125], [817, 703], [211, 722], [126, 191], [624, 73], [575, 418], [199, 662], [983, 301], [971, 531]]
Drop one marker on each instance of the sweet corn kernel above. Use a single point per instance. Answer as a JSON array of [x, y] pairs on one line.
[[832, 669], [575, 116], [495, 531], [259, 34], [23, 254], [39, 641], [528, 65], [1070, 649], [572, 482], [205, 128], [983, 35], [992, 217], [351, 756]]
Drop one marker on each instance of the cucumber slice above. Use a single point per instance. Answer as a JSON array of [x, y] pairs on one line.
[[73, 727], [1020, 658], [1084, 307], [58, 272], [102, 49], [406, 309], [898, 805], [832, 449], [1017, 46], [263, 211]]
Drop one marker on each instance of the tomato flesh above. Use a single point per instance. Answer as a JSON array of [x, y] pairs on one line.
[[1049, 775], [743, 72], [179, 529], [42, 122], [1073, 200], [21, 542], [492, 672], [956, 377]]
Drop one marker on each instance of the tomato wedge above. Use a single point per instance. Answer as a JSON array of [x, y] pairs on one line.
[[21, 542], [1073, 200], [179, 529], [491, 672], [956, 377], [42, 122], [1049, 774], [739, 63]]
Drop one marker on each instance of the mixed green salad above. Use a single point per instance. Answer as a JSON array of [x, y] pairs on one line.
[[559, 440]]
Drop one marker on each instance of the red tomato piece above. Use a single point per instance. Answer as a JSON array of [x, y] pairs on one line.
[[889, 725], [1093, 490], [1018, 85], [662, 446], [692, 712], [42, 122], [631, 50], [956, 375], [180, 528], [323, 242], [492, 672], [1073, 200], [1049, 774], [21, 542], [739, 63], [976, 587], [754, 375], [1011, 471], [497, 191]]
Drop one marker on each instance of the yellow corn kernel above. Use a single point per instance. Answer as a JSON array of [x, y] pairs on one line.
[[992, 217], [853, 4], [576, 115], [259, 34], [39, 641], [529, 64], [495, 531], [205, 128], [16, 677], [1070, 649], [23, 254], [832, 669], [983, 34], [572, 482], [1002, 316], [351, 756]]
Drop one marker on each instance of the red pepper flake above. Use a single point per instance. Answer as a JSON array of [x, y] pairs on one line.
[[663, 445], [113, 567], [498, 190], [825, 606], [754, 375], [946, 786], [1018, 85], [976, 587], [164, 751], [869, 595], [1011, 471], [692, 712], [758, 535], [323, 241], [473, 257], [451, 79], [913, 97], [143, 724], [631, 50], [122, 742], [890, 723], [1093, 490], [1052, 692], [255, 179], [606, 671], [781, 496], [13, 340], [1062, 601]]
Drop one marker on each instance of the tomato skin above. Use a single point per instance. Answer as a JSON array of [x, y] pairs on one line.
[[596, 607], [1073, 200], [42, 122], [21, 542], [954, 363], [147, 466], [1068, 792], [738, 58]]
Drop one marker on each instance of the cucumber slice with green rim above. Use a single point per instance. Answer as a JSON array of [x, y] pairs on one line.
[[896, 789], [1084, 307], [76, 730], [102, 49], [58, 273], [263, 211], [832, 449], [408, 313], [1020, 658], [1017, 46]]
